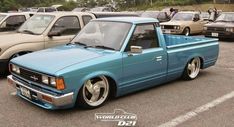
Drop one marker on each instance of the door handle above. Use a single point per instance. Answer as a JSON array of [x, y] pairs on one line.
[[158, 58]]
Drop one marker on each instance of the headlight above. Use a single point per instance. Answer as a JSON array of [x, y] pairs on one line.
[[204, 28], [15, 68], [162, 27], [45, 79], [57, 83], [53, 82], [230, 29], [177, 27]]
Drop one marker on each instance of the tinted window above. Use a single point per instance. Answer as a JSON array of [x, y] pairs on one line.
[[86, 19], [50, 9], [144, 36], [13, 23], [68, 25]]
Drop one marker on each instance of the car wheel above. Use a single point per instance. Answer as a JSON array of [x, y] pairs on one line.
[[192, 69], [93, 93], [186, 31]]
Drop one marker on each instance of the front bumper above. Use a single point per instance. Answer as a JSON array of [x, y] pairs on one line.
[[172, 31], [3, 66], [38, 97], [219, 34]]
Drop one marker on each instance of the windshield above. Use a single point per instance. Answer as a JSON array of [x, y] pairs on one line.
[[103, 34], [226, 17], [183, 17], [2, 17], [37, 24], [205, 15], [150, 14]]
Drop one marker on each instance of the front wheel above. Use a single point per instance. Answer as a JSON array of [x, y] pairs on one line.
[[192, 69], [186, 31], [93, 93]]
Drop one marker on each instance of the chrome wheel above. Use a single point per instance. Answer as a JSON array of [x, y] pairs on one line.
[[187, 31], [193, 68], [95, 91]]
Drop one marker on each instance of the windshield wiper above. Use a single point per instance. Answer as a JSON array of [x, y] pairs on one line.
[[28, 31], [79, 43], [221, 21], [103, 47]]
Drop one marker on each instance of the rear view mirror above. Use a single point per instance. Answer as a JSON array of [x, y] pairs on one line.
[[136, 49], [195, 19]]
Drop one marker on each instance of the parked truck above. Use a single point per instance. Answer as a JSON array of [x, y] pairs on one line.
[[45, 30], [109, 57]]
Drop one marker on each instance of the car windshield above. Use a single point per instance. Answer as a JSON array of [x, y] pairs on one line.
[[104, 34], [2, 17], [150, 14], [226, 17], [205, 15], [183, 17], [36, 24]]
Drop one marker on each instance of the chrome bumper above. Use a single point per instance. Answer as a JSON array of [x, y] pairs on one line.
[[63, 100]]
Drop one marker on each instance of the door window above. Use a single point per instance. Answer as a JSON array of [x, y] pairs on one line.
[[144, 36], [68, 25]]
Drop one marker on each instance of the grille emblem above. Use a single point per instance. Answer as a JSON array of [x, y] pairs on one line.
[[34, 78]]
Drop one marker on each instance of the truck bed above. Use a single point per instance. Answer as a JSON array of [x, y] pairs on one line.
[[175, 41], [181, 49]]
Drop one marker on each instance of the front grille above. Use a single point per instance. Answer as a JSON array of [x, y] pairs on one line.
[[31, 76], [216, 29], [168, 27]]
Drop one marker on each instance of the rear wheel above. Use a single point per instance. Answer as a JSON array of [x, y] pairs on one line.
[[186, 31], [192, 69], [93, 93]]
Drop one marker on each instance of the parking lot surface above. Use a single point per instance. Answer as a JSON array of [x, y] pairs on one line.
[[153, 107]]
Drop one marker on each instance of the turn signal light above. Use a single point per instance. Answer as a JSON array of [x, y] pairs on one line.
[[60, 85]]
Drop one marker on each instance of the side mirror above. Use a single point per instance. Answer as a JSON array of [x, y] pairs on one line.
[[136, 49], [195, 19], [54, 33]]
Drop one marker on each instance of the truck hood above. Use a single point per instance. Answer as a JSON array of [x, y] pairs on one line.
[[9, 40], [220, 24], [52, 60]]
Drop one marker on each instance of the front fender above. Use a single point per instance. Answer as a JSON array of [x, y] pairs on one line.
[[20, 48]]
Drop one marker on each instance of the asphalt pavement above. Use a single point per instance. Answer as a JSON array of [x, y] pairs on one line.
[[153, 107]]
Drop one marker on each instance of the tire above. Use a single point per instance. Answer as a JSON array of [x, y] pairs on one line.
[[186, 31], [93, 93], [192, 69]]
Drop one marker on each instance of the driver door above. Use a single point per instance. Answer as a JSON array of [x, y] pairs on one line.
[[66, 28], [150, 66]]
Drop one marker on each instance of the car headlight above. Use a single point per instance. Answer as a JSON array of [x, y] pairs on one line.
[[14, 68], [230, 29], [162, 27], [177, 27], [57, 83], [204, 28], [45, 79]]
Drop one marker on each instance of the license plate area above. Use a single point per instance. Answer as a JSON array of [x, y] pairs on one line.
[[214, 34], [25, 92], [167, 31]]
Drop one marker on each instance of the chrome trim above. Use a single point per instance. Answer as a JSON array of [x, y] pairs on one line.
[[56, 100]]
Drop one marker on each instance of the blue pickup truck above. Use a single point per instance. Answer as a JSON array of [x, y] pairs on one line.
[[110, 57]]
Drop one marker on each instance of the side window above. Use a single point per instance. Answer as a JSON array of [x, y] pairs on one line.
[[68, 25], [12, 23], [145, 36], [86, 19], [162, 16]]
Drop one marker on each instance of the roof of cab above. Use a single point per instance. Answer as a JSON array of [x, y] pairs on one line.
[[134, 20], [62, 13]]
